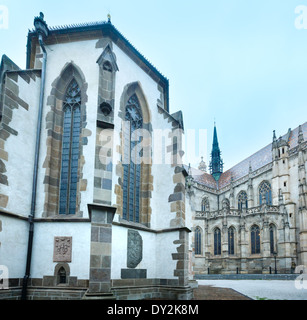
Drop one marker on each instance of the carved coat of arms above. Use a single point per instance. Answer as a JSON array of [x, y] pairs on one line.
[[134, 249], [62, 249]]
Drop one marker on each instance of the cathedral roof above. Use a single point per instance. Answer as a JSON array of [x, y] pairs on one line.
[[96, 30], [256, 161]]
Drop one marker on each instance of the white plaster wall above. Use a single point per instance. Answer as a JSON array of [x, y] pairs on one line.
[[157, 256], [165, 265], [42, 259], [128, 73], [21, 149], [84, 55], [13, 245]]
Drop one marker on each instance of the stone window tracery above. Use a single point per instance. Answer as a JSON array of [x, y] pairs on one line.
[[131, 160], [242, 200], [205, 205], [70, 149], [265, 193]]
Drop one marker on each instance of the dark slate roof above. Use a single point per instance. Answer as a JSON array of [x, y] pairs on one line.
[[257, 161]]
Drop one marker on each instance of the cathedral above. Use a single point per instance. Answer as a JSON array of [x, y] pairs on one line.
[[252, 217], [95, 201]]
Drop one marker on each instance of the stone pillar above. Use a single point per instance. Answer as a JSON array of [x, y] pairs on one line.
[[101, 250], [288, 259], [224, 240], [182, 257], [243, 244]]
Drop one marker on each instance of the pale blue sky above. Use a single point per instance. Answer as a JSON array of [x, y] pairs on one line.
[[242, 62]]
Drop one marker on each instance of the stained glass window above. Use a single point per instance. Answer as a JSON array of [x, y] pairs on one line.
[[217, 241], [131, 160], [231, 240], [197, 241], [242, 200], [265, 193], [255, 240], [70, 149]]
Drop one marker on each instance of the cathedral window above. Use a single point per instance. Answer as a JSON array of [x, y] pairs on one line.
[[197, 241], [255, 240], [131, 161], [226, 204], [242, 200], [265, 193], [205, 206], [231, 240], [217, 241], [70, 149]]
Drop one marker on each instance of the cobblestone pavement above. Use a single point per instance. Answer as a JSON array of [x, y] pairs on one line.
[[215, 293]]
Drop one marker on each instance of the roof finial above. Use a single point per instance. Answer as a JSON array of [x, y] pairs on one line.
[[109, 18], [202, 166]]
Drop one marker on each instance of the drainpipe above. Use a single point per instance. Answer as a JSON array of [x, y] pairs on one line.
[[41, 30]]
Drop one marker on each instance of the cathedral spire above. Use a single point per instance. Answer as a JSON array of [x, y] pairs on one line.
[[216, 164]]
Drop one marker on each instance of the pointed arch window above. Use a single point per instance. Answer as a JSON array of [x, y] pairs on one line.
[[265, 193], [231, 240], [242, 200], [205, 206], [62, 276], [197, 241], [272, 239], [70, 149], [131, 160], [255, 240], [217, 241]]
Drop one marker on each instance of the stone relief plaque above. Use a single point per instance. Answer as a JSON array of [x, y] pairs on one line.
[[134, 249], [62, 249]]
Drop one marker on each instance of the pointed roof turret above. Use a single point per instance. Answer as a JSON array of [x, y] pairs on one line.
[[216, 164]]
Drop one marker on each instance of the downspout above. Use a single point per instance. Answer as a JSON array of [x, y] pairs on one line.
[[41, 29]]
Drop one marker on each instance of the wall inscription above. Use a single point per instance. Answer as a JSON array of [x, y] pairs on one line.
[[62, 249]]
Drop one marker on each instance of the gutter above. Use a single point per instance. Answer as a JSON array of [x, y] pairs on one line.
[[41, 29]]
